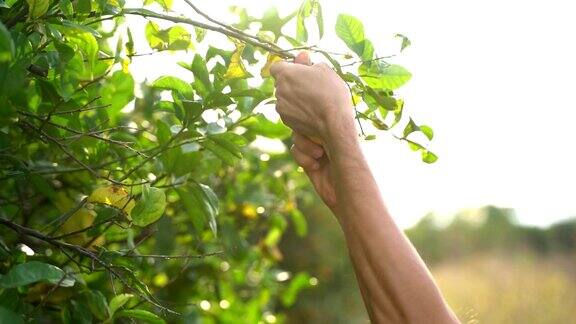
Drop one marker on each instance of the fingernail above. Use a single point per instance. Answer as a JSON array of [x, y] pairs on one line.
[[318, 153], [315, 166]]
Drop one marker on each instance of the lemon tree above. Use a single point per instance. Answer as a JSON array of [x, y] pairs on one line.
[[124, 200]]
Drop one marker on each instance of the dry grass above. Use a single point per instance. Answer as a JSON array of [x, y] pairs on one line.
[[512, 289]]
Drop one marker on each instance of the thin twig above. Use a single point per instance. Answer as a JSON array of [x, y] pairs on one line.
[[168, 257], [367, 61], [149, 158], [72, 111], [62, 148], [63, 218], [231, 28], [82, 230], [80, 133], [355, 109], [81, 251]]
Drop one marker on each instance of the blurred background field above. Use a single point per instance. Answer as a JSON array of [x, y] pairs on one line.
[[490, 268]]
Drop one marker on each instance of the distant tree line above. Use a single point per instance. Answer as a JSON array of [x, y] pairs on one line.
[[488, 229]]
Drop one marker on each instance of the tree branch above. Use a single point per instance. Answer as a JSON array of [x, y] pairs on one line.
[[249, 40]]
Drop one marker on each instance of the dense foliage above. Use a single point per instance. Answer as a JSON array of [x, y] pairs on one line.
[[121, 200]]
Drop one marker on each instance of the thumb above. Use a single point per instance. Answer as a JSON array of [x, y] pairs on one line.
[[278, 67], [303, 58]]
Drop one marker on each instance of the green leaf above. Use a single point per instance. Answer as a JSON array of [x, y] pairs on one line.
[[34, 271], [200, 33], [223, 154], [303, 12], [271, 21], [307, 9], [380, 75], [178, 38], [319, 19], [118, 90], [81, 40], [225, 146], [6, 45], [300, 223], [230, 141], [85, 28], [201, 203], [66, 7], [351, 31], [212, 206], [380, 98], [252, 92], [37, 8], [410, 128], [156, 39], [429, 157], [192, 109], [202, 83], [174, 38], [7, 316], [365, 50], [80, 312], [427, 130], [150, 207], [173, 84], [301, 281], [83, 6], [166, 4], [130, 43], [405, 41], [415, 146], [118, 301], [7, 3], [97, 304], [265, 127], [141, 314]]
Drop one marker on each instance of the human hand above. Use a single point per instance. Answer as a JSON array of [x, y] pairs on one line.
[[312, 99], [313, 159]]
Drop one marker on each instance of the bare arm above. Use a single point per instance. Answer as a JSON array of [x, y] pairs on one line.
[[395, 283]]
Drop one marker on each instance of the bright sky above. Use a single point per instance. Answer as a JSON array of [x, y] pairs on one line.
[[493, 78]]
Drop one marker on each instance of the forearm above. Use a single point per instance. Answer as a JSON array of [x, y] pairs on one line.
[[395, 283]]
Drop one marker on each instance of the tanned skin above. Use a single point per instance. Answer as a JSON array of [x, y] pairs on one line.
[[395, 283]]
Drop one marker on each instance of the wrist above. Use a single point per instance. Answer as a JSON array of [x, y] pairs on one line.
[[339, 130]]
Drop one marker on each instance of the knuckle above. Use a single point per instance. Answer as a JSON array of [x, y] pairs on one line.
[[284, 119], [280, 109], [309, 164], [280, 91]]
